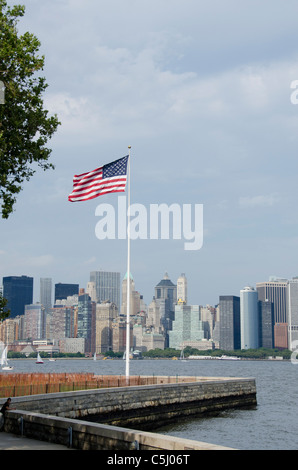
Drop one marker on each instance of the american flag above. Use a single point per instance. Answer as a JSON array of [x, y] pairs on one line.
[[110, 178]]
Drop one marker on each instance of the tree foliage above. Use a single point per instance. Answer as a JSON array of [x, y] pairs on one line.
[[4, 312], [25, 126]]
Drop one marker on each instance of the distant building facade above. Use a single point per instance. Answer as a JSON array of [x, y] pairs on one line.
[[182, 288], [35, 322], [166, 297], [46, 293], [266, 324], [229, 325], [187, 326], [107, 286], [62, 291], [249, 318], [292, 313], [18, 290]]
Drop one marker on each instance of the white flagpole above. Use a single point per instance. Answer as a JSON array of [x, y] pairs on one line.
[[128, 274]]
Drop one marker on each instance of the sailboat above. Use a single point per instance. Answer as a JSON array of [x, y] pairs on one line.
[[182, 358], [4, 361], [39, 360]]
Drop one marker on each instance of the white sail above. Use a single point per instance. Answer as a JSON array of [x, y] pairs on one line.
[[4, 357], [39, 360], [4, 361]]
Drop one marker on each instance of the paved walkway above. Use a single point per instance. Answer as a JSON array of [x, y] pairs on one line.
[[13, 442]]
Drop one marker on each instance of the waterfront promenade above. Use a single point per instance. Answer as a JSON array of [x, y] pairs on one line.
[[12, 442]]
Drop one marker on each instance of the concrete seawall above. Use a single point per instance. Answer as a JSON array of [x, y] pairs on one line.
[[116, 413]]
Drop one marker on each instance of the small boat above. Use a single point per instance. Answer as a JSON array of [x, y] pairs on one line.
[[182, 358], [4, 360], [229, 358], [39, 360]]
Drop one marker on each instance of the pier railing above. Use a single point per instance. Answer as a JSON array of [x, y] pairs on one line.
[[14, 385]]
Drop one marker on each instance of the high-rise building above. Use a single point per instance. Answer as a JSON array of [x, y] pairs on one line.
[[106, 313], [18, 290], [60, 322], [46, 293], [136, 304], [62, 291], [266, 324], [249, 318], [182, 289], [165, 296], [35, 322], [153, 320], [9, 331], [84, 322], [107, 286], [292, 313], [90, 290], [187, 326], [165, 289], [275, 292], [229, 325], [119, 334]]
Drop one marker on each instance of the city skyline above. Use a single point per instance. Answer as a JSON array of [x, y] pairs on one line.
[[205, 102], [254, 317], [164, 278]]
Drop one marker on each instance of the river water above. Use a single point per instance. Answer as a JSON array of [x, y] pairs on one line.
[[272, 425]]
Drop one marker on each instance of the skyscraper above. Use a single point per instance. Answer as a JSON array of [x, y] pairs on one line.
[[62, 291], [35, 322], [85, 309], [106, 313], [46, 293], [18, 290], [229, 325], [292, 316], [107, 286], [266, 324], [165, 296], [182, 289], [249, 318], [275, 292], [187, 326]]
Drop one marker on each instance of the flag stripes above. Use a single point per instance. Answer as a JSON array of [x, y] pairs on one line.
[[110, 178]]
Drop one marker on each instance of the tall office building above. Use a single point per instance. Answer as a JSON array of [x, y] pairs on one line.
[[266, 324], [229, 325], [46, 293], [292, 313], [136, 303], [153, 320], [182, 289], [86, 308], [62, 291], [90, 290], [249, 318], [275, 292], [165, 289], [35, 322], [107, 286], [187, 326], [166, 298], [60, 322], [18, 290], [106, 313]]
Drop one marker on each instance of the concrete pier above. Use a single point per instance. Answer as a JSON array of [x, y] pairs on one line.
[[112, 419]]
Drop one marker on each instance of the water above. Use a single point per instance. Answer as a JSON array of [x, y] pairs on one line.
[[272, 425]]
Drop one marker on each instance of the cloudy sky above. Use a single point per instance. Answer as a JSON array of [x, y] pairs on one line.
[[202, 93]]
